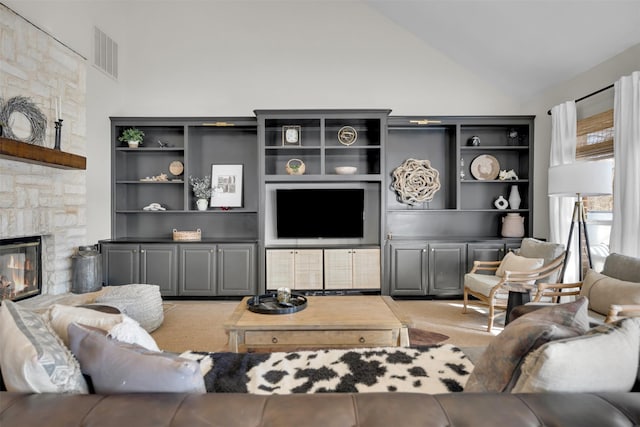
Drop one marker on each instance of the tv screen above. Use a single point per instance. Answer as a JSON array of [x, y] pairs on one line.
[[320, 213]]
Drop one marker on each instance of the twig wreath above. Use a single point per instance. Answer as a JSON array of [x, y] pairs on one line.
[[415, 181], [24, 106]]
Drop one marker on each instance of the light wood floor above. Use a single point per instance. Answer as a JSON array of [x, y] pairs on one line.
[[198, 325]]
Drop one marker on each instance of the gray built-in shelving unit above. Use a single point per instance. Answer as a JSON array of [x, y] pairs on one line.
[[141, 248], [430, 246], [424, 249]]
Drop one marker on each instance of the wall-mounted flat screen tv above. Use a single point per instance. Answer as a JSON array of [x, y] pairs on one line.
[[320, 213]]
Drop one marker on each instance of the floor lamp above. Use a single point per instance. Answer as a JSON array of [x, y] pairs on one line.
[[580, 179]]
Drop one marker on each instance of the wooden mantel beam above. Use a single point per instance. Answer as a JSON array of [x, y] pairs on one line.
[[29, 153]]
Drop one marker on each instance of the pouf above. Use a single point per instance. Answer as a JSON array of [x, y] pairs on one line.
[[141, 302]]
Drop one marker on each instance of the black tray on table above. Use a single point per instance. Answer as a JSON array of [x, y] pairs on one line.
[[268, 304]]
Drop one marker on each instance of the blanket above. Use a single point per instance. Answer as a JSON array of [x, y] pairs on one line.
[[432, 369]]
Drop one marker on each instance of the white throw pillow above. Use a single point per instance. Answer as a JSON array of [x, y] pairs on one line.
[[129, 331], [60, 316], [513, 262], [605, 359], [33, 359], [119, 326]]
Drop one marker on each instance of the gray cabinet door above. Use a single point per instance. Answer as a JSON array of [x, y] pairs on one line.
[[197, 270], [487, 251], [408, 269], [159, 266], [447, 265], [236, 269], [121, 264]]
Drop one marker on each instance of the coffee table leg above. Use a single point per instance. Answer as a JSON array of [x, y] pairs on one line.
[[404, 337], [233, 341]]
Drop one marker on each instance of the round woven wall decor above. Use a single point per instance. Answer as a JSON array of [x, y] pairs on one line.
[[415, 181], [24, 106]]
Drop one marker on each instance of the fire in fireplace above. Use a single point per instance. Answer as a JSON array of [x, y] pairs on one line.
[[20, 267]]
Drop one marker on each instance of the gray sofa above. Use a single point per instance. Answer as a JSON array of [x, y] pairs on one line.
[[612, 293]]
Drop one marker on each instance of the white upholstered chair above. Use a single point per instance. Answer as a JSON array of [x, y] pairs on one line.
[[491, 281]]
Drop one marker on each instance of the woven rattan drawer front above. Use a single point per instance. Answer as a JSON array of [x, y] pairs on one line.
[[384, 337]]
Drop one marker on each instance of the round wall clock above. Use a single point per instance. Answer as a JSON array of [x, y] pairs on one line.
[[347, 135]]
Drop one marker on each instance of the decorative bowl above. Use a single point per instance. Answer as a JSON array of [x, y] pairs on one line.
[[346, 170]]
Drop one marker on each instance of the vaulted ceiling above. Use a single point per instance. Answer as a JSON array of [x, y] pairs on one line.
[[522, 47]]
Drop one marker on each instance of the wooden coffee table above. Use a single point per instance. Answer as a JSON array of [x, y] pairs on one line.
[[326, 322]]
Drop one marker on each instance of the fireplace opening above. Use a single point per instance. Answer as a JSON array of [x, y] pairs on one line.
[[20, 267]]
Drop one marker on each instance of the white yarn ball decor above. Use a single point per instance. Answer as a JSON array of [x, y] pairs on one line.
[[415, 181]]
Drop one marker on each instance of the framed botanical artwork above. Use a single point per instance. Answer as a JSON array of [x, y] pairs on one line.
[[226, 182]]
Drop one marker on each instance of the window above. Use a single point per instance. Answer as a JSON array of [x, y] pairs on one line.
[[595, 142]]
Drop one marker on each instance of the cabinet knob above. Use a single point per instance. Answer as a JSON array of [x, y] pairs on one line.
[[424, 250], [274, 340], [219, 250], [212, 250], [433, 249], [135, 251], [362, 340], [141, 251]]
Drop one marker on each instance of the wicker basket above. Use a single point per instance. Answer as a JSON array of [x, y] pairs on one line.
[[295, 169], [187, 235]]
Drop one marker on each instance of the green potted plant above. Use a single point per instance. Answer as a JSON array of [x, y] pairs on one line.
[[202, 190], [132, 136]]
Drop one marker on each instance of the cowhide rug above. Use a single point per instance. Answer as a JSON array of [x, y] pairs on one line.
[[433, 369]]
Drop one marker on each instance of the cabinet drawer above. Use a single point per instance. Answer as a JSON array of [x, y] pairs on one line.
[[384, 337]]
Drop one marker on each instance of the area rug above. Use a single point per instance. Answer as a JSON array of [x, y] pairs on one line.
[[432, 369], [420, 337]]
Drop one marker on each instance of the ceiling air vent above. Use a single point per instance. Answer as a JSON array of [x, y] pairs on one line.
[[105, 53]]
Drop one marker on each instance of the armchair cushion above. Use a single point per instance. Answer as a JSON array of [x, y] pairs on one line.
[[513, 262], [604, 359], [603, 291], [481, 283], [534, 248], [499, 366]]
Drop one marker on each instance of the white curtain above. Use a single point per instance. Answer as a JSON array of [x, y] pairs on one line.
[[563, 151], [625, 230]]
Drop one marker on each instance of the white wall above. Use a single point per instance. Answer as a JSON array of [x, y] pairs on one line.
[[191, 58], [598, 77]]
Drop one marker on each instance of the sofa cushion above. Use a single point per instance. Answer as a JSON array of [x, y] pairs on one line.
[[33, 359], [119, 326], [499, 366], [603, 291], [513, 262], [116, 367], [622, 267], [605, 359]]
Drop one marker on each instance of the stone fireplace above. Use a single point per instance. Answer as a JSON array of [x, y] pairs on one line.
[[41, 200]]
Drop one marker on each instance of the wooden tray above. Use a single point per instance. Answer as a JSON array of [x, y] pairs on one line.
[[268, 304]]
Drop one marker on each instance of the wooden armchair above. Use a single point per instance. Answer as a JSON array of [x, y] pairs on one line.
[[493, 290]]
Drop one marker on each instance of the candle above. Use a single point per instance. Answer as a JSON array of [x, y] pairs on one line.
[[56, 106], [60, 108]]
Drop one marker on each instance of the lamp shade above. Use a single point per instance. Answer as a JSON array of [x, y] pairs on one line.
[[583, 178]]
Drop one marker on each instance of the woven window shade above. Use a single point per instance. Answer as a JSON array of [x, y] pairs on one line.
[[595, 137]]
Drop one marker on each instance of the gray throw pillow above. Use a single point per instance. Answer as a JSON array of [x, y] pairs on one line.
[[116, 367]]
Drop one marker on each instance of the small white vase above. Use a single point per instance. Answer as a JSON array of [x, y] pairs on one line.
[[133, 144], [202, 204], [514, 198], [501, 203], [513, 225]]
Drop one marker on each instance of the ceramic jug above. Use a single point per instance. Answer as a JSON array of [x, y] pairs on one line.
[[512, 225]]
